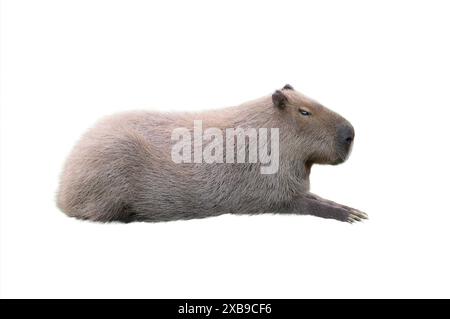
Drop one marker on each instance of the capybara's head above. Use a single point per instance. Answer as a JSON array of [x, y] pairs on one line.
[[323, 136]]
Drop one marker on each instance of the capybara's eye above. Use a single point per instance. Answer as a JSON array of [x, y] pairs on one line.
[[304, 113]]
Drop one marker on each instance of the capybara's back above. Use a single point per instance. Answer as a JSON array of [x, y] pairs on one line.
[[119, 169]]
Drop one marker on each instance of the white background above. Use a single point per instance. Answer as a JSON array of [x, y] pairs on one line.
[[384, 65]]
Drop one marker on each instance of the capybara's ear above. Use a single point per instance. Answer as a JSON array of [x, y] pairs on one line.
[[279, 99], [288, 87]]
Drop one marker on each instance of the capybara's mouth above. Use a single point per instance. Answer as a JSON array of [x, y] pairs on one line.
[[339, 161], [343, 153]]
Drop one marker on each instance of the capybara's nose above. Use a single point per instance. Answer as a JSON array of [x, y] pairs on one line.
[[346, 134]]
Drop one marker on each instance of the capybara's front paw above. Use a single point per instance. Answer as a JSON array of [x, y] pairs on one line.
[[355, 215]]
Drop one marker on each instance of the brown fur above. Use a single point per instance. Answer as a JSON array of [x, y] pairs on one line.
[[121, 169]]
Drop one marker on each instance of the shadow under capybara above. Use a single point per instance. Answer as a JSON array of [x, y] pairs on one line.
[[123, 169]]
